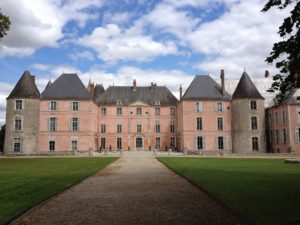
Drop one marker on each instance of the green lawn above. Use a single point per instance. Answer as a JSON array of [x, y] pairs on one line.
[[26, 181], [262, 191]]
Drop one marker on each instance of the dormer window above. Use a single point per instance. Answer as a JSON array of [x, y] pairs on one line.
[[156, 102], [119, 102], [198, 107], [19, 105], [139, 111]]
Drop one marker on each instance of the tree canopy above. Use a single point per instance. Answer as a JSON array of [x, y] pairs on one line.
[[286, 53], [4, 24]]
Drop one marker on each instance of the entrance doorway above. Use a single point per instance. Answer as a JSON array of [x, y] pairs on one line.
[[139, 143]]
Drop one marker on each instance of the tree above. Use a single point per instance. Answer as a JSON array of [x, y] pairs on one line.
[[286, 53], [2, 136], [4, 24]]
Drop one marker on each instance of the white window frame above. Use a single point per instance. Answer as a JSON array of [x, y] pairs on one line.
[[74, 140], [21, 123], [75, 106], [52, 106], [17, 140], [219, 107], [22, 104], [255, 104], [222, 124], [252, 143]]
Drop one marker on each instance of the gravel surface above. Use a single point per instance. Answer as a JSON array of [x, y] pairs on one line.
[[133, 190]]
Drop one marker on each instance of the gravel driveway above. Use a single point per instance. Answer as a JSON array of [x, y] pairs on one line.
[[135, 189]]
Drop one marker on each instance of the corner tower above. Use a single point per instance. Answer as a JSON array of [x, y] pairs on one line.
[[248, 118], [22, 117]]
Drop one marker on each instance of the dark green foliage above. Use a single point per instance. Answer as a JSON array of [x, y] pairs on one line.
[[286, 54], [262, 191], [26, 181], [2, 136], [4, 24]]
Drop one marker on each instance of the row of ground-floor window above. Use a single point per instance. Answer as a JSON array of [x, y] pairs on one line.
[[281, 136], [221, 143]]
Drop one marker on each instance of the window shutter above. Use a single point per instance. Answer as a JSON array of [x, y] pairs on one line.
[[224, 143], [57, 106], [216, 140], [216, 107], [297, 136], [223, 107], [70, 108], [78, 121], [48, 121], [49, 106], [201, 106], [204, 143], [70, 124], [196, 144], [56, 128]]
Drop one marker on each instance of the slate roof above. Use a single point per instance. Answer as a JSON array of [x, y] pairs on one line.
[[292, 97], [67, 86], [25, 88], [204, 87], [147, 95], [246, 89], [99, 90]]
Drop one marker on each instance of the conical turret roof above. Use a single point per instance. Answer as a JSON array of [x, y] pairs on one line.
[[25, 88], [246, 89]]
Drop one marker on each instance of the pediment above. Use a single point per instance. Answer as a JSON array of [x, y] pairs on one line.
[[139, 103]]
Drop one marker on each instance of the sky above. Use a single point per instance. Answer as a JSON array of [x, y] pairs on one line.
[[112, 42]]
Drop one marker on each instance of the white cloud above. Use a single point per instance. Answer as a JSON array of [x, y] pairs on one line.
[[112, 44], [36, 24], [87, 55], [242, 37]]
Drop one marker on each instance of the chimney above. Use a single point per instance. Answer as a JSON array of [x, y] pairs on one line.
[[134, 85], [222, 76], [180, 92], [92, 89], [267, 74]]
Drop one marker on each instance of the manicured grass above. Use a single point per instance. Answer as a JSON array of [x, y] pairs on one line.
[[26, 181], [262, 191]]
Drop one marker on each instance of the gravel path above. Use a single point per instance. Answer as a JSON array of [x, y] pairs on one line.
[[133, 190]]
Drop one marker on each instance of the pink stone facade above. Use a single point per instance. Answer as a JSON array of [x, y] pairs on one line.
[[205, 125], [283, 128]]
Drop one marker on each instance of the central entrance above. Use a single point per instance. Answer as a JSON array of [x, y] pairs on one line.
[[139, 143]]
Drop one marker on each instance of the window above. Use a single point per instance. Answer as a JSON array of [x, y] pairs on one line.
[[51, 145], [139, 128], [220, 142], [103, 111], [276, 118], [119, 111], [297, 135], [198, 107], [283, 117], [298, 116], [172, 111], [200, 143], [19, 104], [18, 123], [75, 106], [271, 137], [255, 143], [17, 144], [157, 143], [74, 143], [253, 123], [52, 124], [277, 136], [157, 111], [172, 143], [119, 128], [102, 143], [219, 107], [270, 120], [52, 106], [139, 142], [172, 127], [139, 111], [103, 128], [74, 124], [157, 127], [220, 123], [253, 105], [119, 143], [199, 123], [284, 136]]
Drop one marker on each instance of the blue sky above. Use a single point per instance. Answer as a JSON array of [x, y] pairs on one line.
[[113, 42]]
